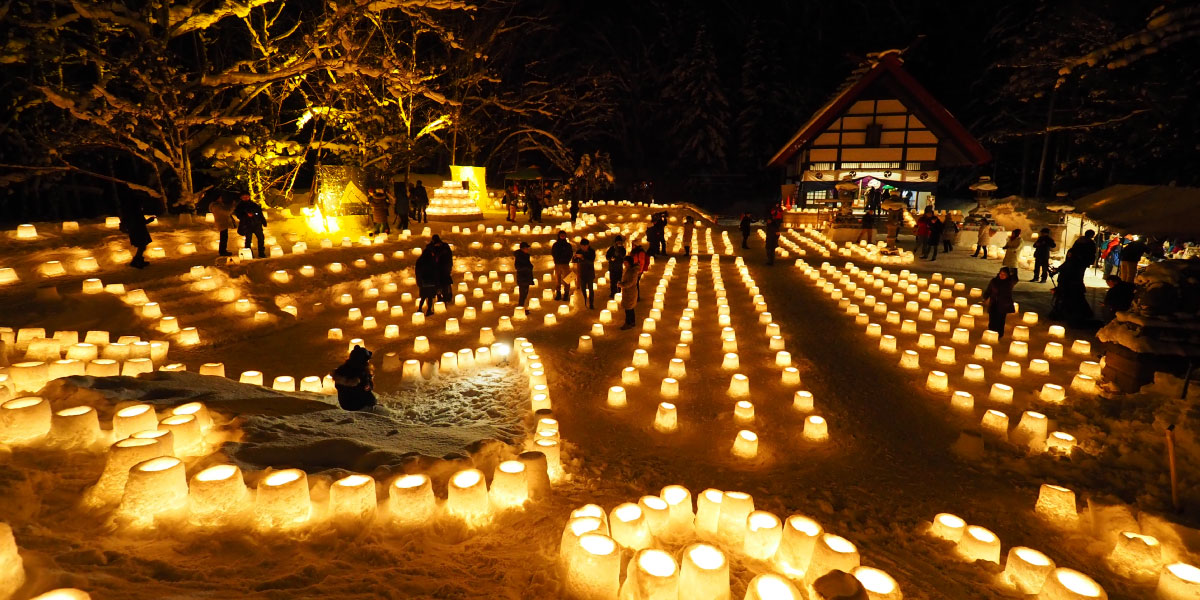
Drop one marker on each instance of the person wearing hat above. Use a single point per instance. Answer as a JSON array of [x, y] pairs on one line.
[[378, 200], [524, 266]]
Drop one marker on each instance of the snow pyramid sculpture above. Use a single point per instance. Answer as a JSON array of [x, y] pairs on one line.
[[452, 202]]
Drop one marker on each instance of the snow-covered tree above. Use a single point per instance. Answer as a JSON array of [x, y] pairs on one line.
[[695, 97]]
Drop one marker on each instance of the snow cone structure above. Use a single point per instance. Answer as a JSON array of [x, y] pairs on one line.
[[155, 488], [452, 202]]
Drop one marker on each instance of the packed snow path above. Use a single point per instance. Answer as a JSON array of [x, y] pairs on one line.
[[885, 470]]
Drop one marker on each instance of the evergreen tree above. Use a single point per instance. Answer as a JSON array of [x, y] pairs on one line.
[[761, 102], [696, 96]]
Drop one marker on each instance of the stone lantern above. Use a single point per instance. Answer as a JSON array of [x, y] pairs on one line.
[[983, 191], [845, 194]]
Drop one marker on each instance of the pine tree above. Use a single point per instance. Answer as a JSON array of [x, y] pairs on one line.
[[696, 95], [761, 102]]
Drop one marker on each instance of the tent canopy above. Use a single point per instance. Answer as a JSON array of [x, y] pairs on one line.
[[1157, 210]]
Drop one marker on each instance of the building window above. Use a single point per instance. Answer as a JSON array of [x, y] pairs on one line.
[[816, 194]]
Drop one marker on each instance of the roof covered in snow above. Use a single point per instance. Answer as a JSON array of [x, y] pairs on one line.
[[885, 71], [1158, 210]]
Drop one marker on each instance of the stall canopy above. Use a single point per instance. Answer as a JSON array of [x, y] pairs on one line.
[[1158, 210]]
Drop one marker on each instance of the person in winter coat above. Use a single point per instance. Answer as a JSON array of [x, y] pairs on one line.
[[642, 260], [427, 275], [1119, 296], [1084, 248], [576, 198], [744, 225], [923, 230], [354, 381], [584, 262], [1131, 254], [524, 266], [251, 222], [616, 265], [562, 252], [133, 223], [935, 237], [535, 206], [629, 291], [420, 202], [982, 239], [1111, 255], [402, 202], [444, 255], [773, 227], [1070, 295], [998, 299], [1041, 254], [510, 204], [949, 233], [1012, 251], [867, 230], [689, 226], [380, 210], [222, 212]]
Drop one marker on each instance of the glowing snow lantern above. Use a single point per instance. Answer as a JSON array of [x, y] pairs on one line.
[[217, 494], [627, 526], [763, 533], [102, 367], [730, 361], [995, 423], [251, 377], [877, 583], [887, 343], [1069, 584], [745, 444], [739, 385], [353, 498], [24, 419], [652, 575], [132, 419], [185, 429], [1056, 505], [78, 426], [831, 552], [283, 500], [1010, 368], [1179, 581], [816, 429], [188, 336], [154, 488], [595, 568], [704, 574], [641, 358], [1081, 347], [411, 500], [1084, 384], [468, 496], [937, 381], [910, 360], [1001, 392], [1026, 569], [1060, 442], [629, 375], [948, 527]]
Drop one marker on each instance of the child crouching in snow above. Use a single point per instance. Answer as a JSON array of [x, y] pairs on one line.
[[354, 382]]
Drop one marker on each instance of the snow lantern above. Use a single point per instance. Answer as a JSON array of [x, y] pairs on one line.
[[816, 429], [739, 386], [669, 388], [595, 568], [1001, 393], [666, 419], [63, 594], [652, 574], [509, 486], [1084, 384], [1179, 581], [978, 543], [1039, 366], [769, 586], [188, 336], [763, 532], [1010, 369], [411, 500], [937, 381], [627, 526], [730, 362], [948, 527], [282, 499], [153, 489], [217, 495], [132, 419], [251, 377], [790, 376], [1136, 555], [76, 426], [120, 458], [24, 420], [29, 376], [743, 411], [1026, 569], [353, 498], [213, 369], [467, 496], [1069, 584], [745, 444], [704, 574], [1081, 347], [877, 583], [887, 343], [973, 372], [185, 429], [1031, 430]]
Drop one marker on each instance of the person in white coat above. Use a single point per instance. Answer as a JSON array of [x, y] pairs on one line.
[[1012, 251]]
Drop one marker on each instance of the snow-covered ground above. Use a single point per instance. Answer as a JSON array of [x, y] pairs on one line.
[[895, 455]]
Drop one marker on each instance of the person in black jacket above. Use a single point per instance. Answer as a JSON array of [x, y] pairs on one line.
[[585, 271], [401, 199], [744, 225], [354, 381], [134, 223], [773, 227], [534, 202], [999, 299], [1041, 254], [616, 261], [1119, 296], [251, 222], [426, 273], [524, 267], [562, 252], [445, 268], [420, 202]]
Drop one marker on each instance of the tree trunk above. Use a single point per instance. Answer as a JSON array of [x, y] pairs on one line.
[[1046, 143]]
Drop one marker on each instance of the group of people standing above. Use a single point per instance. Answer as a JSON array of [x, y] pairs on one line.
[[435, 274], [406, 201], [933, 232], [530, 201]]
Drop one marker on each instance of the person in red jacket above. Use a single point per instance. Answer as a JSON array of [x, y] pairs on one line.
[[924, 230], [642, 260]]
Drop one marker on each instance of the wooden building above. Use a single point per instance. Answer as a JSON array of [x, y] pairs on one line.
[[883, 125]]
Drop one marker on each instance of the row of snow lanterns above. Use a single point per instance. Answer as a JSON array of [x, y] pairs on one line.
[[63, 355], [666, 418], [719, 526], [1032, 430], [810, 243], [1133, 555]]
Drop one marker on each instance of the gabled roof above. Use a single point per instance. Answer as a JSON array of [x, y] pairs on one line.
[[888, 69], [1158, 210]]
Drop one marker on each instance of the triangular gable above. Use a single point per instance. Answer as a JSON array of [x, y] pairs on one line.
[[909, 92]]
